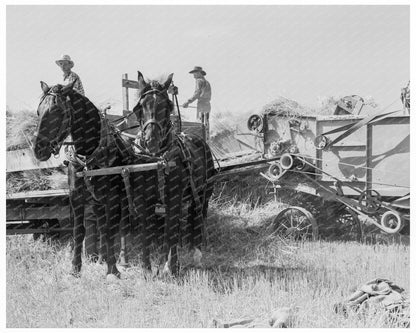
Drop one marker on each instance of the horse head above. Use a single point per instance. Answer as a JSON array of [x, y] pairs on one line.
[[153, 112], [54, 125]]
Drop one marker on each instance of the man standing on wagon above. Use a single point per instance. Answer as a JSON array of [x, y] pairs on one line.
[[66, 65], [203, 95]]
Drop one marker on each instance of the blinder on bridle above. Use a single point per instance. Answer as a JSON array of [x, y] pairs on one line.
[[62, 101]]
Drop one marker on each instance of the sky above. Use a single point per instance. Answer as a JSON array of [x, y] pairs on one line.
[[252, 54]]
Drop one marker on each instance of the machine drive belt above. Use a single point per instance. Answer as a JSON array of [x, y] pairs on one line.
[[382, 204], [351, 128]]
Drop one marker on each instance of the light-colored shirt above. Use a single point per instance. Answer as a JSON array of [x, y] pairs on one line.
[[71, 77], [202, 91]]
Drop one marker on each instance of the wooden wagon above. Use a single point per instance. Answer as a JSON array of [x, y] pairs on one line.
[[48, 211]]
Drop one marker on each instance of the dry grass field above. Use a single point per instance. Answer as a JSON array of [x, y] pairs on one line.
[[246, 274]]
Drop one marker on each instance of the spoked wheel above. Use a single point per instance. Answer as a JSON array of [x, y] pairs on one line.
[[339, 222], [351, 226], [296, 223]]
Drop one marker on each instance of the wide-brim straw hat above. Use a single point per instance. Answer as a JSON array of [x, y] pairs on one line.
[[65, 58], [198, 69]]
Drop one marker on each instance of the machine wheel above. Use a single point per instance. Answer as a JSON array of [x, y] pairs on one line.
[[296, 223]]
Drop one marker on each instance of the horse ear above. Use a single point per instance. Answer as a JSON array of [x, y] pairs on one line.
[[141, 81], [168, 81], [44, 87]]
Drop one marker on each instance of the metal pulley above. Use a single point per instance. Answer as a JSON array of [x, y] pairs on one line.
[[275, 171], [391, 221], [255, 123], [321, 142], [369, 201], [291, 162]]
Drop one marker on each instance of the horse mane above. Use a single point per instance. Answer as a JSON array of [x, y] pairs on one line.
[[112, 136], [87, 117]]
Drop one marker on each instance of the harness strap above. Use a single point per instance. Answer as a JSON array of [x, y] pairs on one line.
[[125, 173], [73, 157], [187, 159], [90, 188], [161, 208], [102, 143]]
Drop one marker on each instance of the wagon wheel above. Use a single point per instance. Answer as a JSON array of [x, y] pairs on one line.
[[337, 221], [296, 223], [351, 225]]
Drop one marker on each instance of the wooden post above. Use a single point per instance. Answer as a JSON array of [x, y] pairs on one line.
[[125, 94], [369, 158]]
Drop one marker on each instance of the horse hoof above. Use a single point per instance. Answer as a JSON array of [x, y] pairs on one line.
[[166, 270], [123, 265], [75, 274], [197, 258], [76, 271], [112, 278]]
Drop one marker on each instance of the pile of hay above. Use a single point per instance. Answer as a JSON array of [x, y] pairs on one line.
[[284, 106], [20, 128]]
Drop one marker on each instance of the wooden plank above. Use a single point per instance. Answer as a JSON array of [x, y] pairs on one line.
[[24, 160], [129, 83], [13, 231], [119, 169], [37, 213], [125, 93], [38, 194], [191, 124], [369, 157], [227, 156]]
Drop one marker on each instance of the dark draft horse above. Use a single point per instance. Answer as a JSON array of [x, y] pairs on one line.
[[188, 184], [63, 111]]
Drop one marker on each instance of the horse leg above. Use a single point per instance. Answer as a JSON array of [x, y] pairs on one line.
[[140, 218], [90, 224], [100, 213], [125, 221], [77, 204], [113, 220], [152, 227], [173, 201], [195, 220]]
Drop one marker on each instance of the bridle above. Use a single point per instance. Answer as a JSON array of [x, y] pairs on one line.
[[165, 131], [65, 127]]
